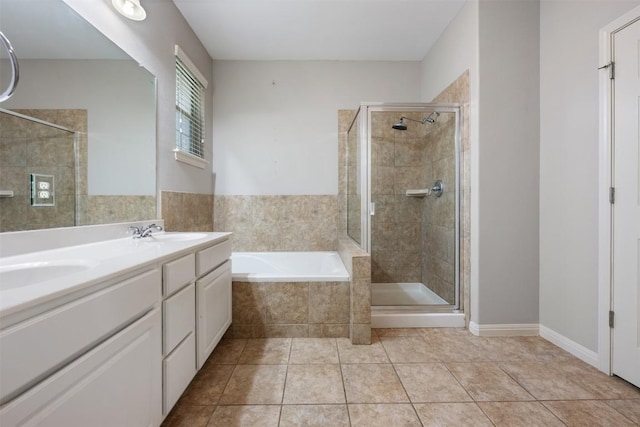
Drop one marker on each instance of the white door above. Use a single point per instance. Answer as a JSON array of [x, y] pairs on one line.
[[626, 209]]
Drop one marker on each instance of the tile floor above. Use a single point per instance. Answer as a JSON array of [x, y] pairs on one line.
[[407, 377]]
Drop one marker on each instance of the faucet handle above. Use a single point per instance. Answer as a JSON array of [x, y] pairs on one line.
[[135, 231]]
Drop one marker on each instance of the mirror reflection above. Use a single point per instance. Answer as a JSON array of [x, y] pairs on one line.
[[84, 112]]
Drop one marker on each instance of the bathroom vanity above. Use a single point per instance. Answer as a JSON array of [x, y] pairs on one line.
[[109, 333]]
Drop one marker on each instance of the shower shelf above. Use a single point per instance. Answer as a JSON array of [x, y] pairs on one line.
[[418, 193]]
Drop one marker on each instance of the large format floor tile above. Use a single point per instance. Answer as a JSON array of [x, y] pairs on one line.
[[314, 384], [383, 415], [372, 383], [255, 384], [451, 415], [430, 382], [407, 377], [314, 416], [487, 382]]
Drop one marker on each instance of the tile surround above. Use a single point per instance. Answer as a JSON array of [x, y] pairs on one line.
[[187, 211], [278, 223], [290, 309], [40, 149], [29, 147], [279, 382]]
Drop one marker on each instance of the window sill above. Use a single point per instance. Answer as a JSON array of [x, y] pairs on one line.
[[190, 159]]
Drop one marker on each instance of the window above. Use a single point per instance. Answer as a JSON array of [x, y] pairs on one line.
[[190, 98]]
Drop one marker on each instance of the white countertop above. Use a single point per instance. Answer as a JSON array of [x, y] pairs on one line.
[[102, 261]]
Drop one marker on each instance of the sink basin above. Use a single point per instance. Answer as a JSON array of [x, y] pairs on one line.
[[173, 237], [28, 273]]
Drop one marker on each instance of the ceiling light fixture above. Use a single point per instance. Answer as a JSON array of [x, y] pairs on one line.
[[130, 9]]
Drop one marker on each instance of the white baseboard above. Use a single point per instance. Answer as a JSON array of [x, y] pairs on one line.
[[579, 351], [522, 330]]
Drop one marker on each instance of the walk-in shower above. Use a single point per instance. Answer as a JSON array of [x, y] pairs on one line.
[[403, 207]]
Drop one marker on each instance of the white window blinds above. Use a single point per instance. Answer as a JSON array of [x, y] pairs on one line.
[[190, 102]]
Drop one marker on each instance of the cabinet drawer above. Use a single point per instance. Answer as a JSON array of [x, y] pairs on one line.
[[178, 273], [33, 349], [178, 368], [179, 317], [118, 383], [208, 259]]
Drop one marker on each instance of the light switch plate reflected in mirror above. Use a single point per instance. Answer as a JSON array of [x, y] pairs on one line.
[[42, 190]]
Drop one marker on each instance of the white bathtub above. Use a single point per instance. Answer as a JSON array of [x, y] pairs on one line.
[[288, 267]]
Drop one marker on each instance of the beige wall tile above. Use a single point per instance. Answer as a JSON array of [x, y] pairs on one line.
[[287, 303], [328, 302]]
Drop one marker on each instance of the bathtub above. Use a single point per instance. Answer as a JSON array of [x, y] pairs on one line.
[[288, 267], [289, 295]]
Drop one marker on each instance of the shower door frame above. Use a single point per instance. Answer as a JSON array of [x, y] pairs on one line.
[[368, 208]]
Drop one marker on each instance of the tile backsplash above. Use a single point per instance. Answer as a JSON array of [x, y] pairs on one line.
[[187, 211], [278, 223]]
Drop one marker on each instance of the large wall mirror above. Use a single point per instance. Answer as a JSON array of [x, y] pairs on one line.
[[81, 123]]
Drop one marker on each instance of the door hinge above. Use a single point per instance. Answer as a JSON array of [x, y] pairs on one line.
[[611, 66], [611, 315], [612, 195]]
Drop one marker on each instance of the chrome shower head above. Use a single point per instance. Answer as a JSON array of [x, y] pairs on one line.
[[400, 125], [431, 119]]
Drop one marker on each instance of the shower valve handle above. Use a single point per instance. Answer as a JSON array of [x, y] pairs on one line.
[[437, 189]]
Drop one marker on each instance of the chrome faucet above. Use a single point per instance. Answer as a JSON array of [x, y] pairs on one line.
[[139, 232]]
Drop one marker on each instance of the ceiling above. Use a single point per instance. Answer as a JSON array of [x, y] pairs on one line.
[[373, 30]]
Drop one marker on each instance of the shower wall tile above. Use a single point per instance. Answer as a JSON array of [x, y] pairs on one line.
[[186, 211], [29, 147], [278, 223], [439, 228]]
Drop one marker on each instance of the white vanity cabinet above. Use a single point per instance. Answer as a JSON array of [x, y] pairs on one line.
[[94, 361], [196, 314], [116, 345]]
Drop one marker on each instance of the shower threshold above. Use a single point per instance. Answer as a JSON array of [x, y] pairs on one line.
[[411, 305], [404, 294]]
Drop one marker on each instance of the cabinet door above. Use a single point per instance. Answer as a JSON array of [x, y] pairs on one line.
[[118, 383], [213, 309]]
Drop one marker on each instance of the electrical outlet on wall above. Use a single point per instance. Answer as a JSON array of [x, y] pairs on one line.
[[42, 190]]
